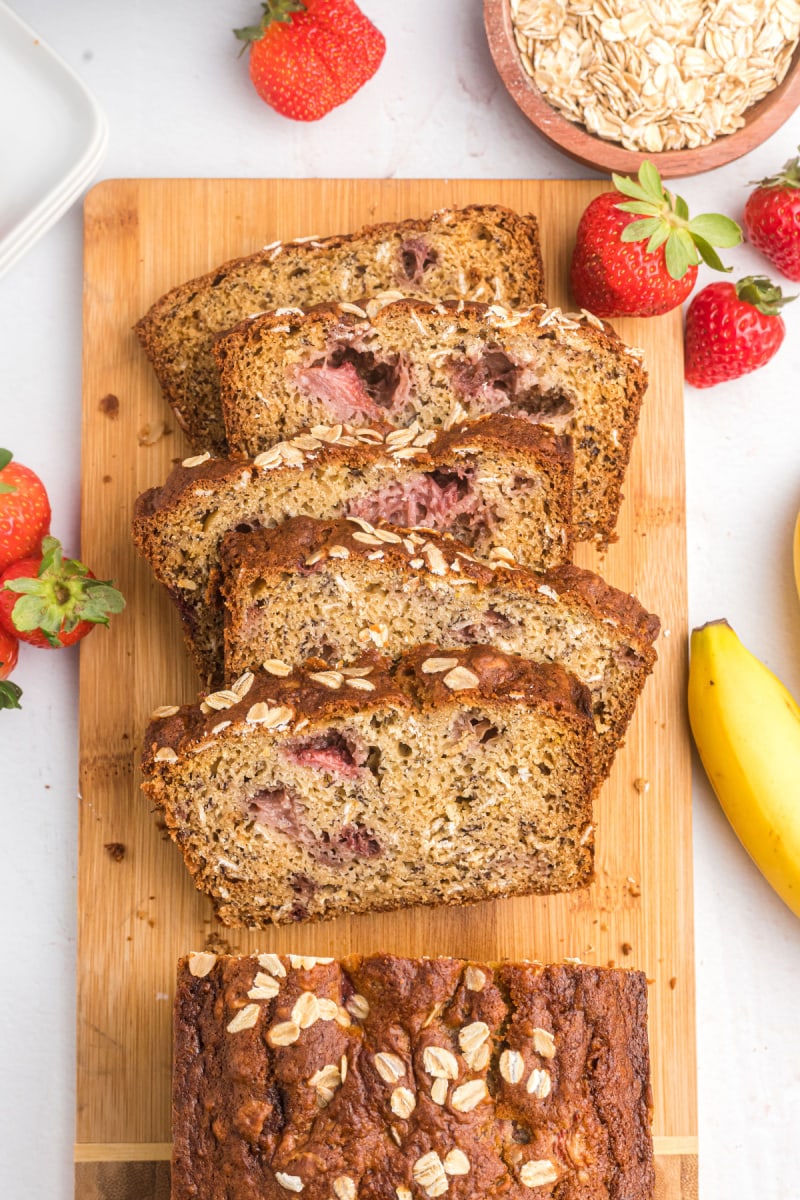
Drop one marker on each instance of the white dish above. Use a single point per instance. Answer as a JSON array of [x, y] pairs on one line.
[[52, 137]]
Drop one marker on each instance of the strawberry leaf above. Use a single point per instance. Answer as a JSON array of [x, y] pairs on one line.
[[681, 208], [637, 231], [709, 254], [629, 187], [641, 207], [658, 238], [10, 694], [716, 229], [650, 180], [763, 294], [5, 458], [676, 255]]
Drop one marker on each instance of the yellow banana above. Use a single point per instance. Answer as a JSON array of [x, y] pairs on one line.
[[747, 730], [797, 554]]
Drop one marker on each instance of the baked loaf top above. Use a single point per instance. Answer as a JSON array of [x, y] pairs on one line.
[[305, 541], [360, 445], [479, 252], [438, 363], [281, 701], [493, 480], [384, 1078]]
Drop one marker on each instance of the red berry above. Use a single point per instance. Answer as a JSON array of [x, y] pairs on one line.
[[52, 602], [308, 56], [772, 219], [636, 250], [9, 648], [24, 511], [9, 692], [732, 329]]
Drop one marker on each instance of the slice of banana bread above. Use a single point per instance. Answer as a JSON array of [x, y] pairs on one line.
[[333, 588], [493, 482], [435, 780], [480, 252], [384, 1078], [413, 361]]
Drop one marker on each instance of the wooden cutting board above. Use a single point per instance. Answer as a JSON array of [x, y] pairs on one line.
[[138, 910]]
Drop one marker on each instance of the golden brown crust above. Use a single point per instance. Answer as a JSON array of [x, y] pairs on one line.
[[290, 545], [484, 1071], [502, 678], [359, 446]]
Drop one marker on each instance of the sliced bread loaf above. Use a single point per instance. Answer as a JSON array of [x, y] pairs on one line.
[[483, 252], [413, 361], [435, 781], [334, 588], [497, 482]]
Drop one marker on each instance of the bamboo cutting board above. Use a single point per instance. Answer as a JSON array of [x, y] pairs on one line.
[[138, 911]]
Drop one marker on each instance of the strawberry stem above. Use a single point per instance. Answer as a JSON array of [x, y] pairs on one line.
[[664, 221], [61, 596], [789, 176], [763, 294], [273, 11]]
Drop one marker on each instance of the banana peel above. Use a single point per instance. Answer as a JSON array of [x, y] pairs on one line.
[[746, 727], [796, 554]]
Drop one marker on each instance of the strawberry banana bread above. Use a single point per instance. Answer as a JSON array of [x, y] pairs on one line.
[[496, 482], [410, 360], [483, 252], [334, 588], [436, 780], [383, 1078]]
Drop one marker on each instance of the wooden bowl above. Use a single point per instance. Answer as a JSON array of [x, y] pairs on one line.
[[761, 119]]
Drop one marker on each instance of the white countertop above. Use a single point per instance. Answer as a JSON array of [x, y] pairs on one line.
[[180, 104]]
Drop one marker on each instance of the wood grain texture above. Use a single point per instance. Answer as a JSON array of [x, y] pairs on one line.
[[676, 1179], [760, 120], [139, 912]]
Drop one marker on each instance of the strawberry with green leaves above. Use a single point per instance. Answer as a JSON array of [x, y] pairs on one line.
[[772, 219], [637, 250], [308, 56], [732, 329], [50, 601], [24, 510]]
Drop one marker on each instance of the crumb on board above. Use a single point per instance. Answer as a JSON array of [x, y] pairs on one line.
[[626, 948], [115, 850], [152, 432], [109, 406], [673, 983], [642, 786]]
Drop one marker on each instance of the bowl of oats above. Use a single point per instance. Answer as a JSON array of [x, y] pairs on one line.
[[688, 84]]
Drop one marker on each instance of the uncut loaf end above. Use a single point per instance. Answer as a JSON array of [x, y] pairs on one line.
[[384, 1078]]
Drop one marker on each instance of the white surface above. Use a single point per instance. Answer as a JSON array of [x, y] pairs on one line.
[[52, 136], [179, 103]]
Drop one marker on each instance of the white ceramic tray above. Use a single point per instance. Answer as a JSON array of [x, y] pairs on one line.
[[52, 137]]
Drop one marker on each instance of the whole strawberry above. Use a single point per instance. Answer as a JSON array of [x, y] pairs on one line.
[[731, 329], [24, 510], [50, 601], [308, 56], [772, 219], [636, 250]]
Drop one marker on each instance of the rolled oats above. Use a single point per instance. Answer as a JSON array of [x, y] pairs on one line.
[[656, 77]]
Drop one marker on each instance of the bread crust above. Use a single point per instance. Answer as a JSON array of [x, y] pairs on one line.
[[244, 1110]]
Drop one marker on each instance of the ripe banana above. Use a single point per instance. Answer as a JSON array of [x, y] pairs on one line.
[[797, 554], [747, 730]]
